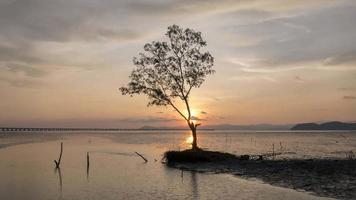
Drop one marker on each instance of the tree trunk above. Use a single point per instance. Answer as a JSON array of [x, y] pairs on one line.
[[194, 143], [193, 128]]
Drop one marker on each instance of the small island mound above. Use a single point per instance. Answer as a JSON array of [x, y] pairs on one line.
[[199, 155]]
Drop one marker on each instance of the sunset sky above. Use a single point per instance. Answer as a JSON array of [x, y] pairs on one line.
[[276, 61]]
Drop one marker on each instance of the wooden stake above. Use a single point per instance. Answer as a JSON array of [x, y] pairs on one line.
[[273, 151], [88, 163], [60, 157]]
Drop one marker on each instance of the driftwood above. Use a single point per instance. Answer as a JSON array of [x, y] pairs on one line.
[[142, 157], [60, 157]]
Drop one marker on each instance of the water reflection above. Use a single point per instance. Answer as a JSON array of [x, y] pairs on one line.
[[189, 140], [88, 177], [57, 170], [194, 183]]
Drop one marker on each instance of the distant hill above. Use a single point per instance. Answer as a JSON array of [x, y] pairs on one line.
[[335, 125], [226, 127], [265, 127], [162, 128]]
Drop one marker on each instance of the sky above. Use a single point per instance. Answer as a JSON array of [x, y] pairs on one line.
[[276, 61]]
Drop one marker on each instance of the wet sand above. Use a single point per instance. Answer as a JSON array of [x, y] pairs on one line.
[[326, 178]]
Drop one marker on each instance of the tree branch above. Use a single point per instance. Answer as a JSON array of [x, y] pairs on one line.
[[190, 88], [171, 103], [188, 108], [178, 111]]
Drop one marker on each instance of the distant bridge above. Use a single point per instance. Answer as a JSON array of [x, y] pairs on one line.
[[16, 129]]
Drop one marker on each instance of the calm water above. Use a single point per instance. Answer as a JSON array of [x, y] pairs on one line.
[[116, 172]]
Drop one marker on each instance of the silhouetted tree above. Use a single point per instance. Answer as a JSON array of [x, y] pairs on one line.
[[168, 71]]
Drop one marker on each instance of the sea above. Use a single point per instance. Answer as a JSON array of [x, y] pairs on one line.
[[104, 164]]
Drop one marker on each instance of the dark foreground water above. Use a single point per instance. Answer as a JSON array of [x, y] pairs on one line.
[[116, 172]]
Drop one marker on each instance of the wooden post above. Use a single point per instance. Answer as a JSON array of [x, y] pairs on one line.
[[225, 139], [273, 151], [60, 157], [88, 163]]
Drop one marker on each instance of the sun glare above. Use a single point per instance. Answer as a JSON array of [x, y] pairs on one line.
[[189, 139], [193, 113]]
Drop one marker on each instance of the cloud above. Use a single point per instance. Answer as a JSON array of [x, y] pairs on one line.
[[347, 89], [253, 77], [18, 52], [349, 97], [22, 75], [117, 34], [147, 120], [317, 36], [216, 99], [133, 122], [43, 34], [197, 118], [58, 20], [178, 7], [22, 83], [30, 28], [26, 69], [348, 58], [62, 21], [298, 78], [52, 42]]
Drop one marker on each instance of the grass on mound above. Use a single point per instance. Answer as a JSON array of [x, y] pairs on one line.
[[192, 156]]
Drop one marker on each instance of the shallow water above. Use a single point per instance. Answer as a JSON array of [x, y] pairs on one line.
[[116, 172]]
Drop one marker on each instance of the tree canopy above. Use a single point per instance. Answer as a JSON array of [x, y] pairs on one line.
[[168, 70]]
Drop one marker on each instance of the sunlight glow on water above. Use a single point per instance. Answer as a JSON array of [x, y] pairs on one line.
[[189, 139]]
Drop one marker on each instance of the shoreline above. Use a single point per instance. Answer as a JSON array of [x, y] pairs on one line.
[[334, 178]]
